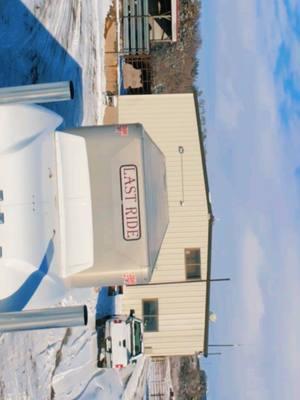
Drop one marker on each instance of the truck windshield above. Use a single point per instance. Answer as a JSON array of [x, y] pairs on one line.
[[137, 338]]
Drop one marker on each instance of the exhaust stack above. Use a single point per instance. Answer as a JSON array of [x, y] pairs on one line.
[[37, 93], [59, 317]]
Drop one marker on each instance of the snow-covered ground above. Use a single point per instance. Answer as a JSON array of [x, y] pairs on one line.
[[46, 41], [29, 360], [62, 364], [54, 40]]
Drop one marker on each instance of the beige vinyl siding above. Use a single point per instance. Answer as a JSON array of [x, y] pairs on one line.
[[181, 316], [171, 122]]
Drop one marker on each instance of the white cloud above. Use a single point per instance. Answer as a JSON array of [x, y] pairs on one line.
[[229, 106], [242, 369], [271, 30], [263, 229], [247, 23], [252, 306], [294, 64], [284, 327]]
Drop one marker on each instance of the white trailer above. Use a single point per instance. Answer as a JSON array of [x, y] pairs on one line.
[[129, 204], [83, 208]]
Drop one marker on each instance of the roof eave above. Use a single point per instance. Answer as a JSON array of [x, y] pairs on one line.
[[210, 224]]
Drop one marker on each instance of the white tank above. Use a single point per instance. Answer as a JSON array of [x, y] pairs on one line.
[[27, 160]]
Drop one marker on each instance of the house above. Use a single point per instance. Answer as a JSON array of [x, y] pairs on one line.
[[175, 305]]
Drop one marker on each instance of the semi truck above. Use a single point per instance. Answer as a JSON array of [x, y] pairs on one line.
[[85, 207]]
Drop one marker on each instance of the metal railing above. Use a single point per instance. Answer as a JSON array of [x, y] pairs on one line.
[[37, 93], [59, 317]]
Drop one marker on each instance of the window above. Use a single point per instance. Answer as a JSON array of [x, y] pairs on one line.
[[150, 315], [160, 19], [138, 339], [192, 263]]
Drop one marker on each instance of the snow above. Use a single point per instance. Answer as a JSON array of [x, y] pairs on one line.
[[46, 41], [135, 388], [59, 364]]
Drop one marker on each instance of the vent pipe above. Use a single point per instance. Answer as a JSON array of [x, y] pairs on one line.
[[37, 93], [59, 317]]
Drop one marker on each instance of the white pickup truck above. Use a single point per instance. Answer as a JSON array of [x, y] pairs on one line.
[[123, 340], [86, 207]]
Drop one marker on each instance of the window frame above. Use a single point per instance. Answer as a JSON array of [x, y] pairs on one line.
[[151, 315], [186, 265]]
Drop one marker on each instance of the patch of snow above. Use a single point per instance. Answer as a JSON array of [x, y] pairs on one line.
[[46, 41], [135, 388], [78, 26], [107, 385]]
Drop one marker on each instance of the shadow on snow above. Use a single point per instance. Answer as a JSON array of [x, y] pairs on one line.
[[30, 54]]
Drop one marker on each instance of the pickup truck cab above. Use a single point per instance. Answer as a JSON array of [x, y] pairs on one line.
[[123, 340]]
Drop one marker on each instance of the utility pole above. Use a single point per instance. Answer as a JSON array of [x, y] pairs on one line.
[[177, 282], [225, 345]]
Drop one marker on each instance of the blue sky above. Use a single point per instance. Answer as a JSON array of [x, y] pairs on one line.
[[250, 75]]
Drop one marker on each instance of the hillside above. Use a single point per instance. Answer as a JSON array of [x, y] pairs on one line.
[[189, 381], [174, 65]]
